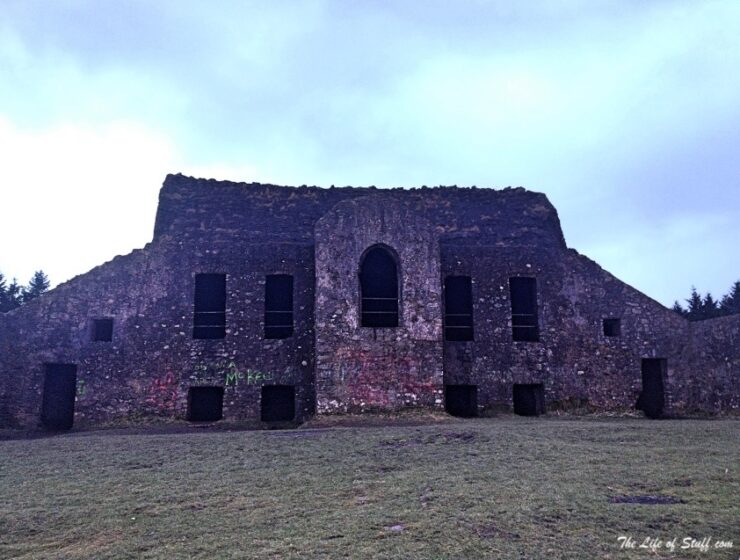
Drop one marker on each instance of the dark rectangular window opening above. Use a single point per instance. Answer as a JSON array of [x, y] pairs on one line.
[[205, 404], [524, 323], [652, 397], [58, 399], [102, 330], [278, 403], [209, 316], [461, 400], [612, 327], [278, 306], [458, 308], [529, 399]]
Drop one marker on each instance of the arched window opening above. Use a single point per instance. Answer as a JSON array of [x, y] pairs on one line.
[[379, 289]]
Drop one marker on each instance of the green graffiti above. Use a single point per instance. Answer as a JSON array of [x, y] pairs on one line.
[[251, 376], [232, 375], [80, 387], [257, 376]]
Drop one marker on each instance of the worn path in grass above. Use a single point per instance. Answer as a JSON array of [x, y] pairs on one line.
[[505, 487]]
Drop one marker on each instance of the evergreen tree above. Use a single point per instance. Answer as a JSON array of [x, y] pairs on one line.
[[678, 309], [10, 296], [731, 301], [38, 285], [3, 292], [695, 305], [709, 307]]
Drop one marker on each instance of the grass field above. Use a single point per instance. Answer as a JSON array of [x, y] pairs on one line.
[[505, 487]]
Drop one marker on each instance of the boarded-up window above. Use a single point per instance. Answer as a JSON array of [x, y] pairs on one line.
[[524, 324], [379, 289], [101, 330], [458, 308], [209, 317], [278, 306]]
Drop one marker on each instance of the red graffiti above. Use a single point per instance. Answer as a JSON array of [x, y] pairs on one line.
[[163, 393], [383, 378]]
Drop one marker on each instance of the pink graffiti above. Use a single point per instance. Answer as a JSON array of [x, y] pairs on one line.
[[163, 393]]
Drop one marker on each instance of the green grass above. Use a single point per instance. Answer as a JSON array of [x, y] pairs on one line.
[[505, 487]]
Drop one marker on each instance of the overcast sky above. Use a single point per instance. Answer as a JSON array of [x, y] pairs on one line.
[[625, 113]]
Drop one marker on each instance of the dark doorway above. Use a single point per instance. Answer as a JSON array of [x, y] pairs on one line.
[[209, 310], [652, 397], [205, 404], [524, 323], [58, 402], [529, 399], [379, 289], [278, 403], [278, 306], [461, 400], [458, 308]]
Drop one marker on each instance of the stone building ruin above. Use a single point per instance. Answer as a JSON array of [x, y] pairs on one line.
[[260, 302]]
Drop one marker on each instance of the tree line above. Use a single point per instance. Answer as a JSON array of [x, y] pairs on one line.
[[700, 307], [14, 294]]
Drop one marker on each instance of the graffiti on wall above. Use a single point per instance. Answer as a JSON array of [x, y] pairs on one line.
[[250, 376], [81, 389], [384, 378], [233, 375], [163, 393]]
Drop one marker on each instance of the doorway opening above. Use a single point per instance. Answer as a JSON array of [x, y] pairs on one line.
[[278, 403], [58, 401], [205, 404], [461, 400], [652, 397], [529, 399]]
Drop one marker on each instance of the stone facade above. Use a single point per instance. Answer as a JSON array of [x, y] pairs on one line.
[[152, 366]]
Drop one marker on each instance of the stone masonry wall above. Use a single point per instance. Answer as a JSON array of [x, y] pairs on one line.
[[152, 360], [711, 381], [245, 213], [6, 336], [360, 368], [247, 231], [577, 364]]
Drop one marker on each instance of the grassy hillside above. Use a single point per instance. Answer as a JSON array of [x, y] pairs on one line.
[[504, 487]]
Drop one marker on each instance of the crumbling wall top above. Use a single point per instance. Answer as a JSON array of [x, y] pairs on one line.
[[256, 212]]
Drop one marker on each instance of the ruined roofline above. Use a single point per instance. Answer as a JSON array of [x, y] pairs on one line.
[[191, 206], [180, 179], [591, 264]]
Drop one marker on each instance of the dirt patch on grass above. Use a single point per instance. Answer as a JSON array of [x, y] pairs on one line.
[[380, 420], [432, 439], [92, 547], [646, 500], [493, 531], [300, 433]]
